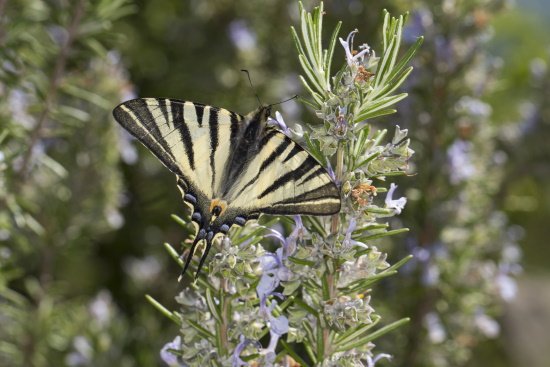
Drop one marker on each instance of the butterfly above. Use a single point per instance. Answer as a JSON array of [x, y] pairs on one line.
[[230, 168]]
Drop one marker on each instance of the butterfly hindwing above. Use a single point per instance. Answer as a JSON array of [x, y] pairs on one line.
[[230, 168], [283, 179]]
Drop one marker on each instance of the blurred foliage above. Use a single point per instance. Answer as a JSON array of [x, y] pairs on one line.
[[61, 186], [465, 250], [78, 251], [520, 100]]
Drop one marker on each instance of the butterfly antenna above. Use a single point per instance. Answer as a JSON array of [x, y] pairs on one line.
[[251, 85], [190, 256], [204, 256], [286, 100]]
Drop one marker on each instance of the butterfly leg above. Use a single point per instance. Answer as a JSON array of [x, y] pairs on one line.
[[209, 238], [199, 237]]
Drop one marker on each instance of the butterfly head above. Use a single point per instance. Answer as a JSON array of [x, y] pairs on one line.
[[267, 111], [259, 115]]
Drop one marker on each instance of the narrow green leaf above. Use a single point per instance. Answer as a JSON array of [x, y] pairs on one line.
[[309, 103], [75, 113], [304, 24], [367, 160], [179, 221], [96, 46], [389, 174], [366, 283], [53, 165], [385, 29], [400, 263], [383, 66], [318, 226], [395, 51], [371, 227], [318, 35], [320, 343], [3, 135], [383, 234], [310, 352], [380, 134], [315, 56], [316, 97], [255, 232], [202, 331], [251, 357], [163, 309], [380, 104], [295, 260], [173, 253], [406, 58], [297, 42], [373, 209], [353, 333], [362, 285], [308, 69], [305, 306], [391, 87], [314, 151], [375, 335], [330, 51], [371, 115], [212, 307], [309, 331], [338, 77], [293, 354], [271, 222], [87, 96], [405, 17]]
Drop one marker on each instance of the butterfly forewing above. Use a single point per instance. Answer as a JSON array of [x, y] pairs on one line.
[[182, 134], [219, 156]]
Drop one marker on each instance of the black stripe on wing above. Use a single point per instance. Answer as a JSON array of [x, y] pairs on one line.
[[139, 121], [178, 119], [265, 164], [144, 118], [293, 175], [214, 130]]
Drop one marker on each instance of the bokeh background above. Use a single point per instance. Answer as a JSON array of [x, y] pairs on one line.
[[84, 210]]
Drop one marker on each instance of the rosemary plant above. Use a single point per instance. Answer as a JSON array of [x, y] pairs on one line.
[[311, 295]]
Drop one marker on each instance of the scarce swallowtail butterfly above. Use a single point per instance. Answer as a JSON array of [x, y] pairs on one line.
[[230, 168]]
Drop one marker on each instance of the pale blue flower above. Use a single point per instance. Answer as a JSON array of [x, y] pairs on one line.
[[275, 271], [507, 285], [169, 358], [348, 47], [486, 324], [289, 243], [396, 205], [331, 173], [436, 331], [348, 241], [278, 326], [459, 158], [372, 361], [236, 357], [296, 133]]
